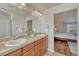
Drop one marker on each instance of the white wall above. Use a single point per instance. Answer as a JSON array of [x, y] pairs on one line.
[[50, 22]]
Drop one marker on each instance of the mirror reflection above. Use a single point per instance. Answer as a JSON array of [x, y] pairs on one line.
[[4, 25]]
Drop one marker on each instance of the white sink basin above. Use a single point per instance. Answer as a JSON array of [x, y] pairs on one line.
[[17, 42]]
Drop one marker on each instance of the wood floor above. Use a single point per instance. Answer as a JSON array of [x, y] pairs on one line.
[[62, 47], [48, 53]]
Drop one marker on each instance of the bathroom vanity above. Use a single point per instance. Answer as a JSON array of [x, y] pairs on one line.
[[36, 46]]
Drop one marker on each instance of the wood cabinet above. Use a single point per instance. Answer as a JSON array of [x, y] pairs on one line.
[[15, 53], [37, 48], [28, 50], [44, 46], [41, 46]]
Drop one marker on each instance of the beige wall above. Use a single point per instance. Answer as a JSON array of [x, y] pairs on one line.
[[58, 23], [62, 17]]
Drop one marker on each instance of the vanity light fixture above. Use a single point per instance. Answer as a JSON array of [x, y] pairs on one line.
[[39, 14], [36, 13], [23, 4], [20, 7]]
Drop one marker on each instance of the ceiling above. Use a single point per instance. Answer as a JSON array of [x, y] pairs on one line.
[[6, 8], [41, 6], [12, 8]]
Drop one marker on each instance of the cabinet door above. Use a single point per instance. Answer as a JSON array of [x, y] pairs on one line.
[[38, 50], [46, 43], [15, 53], [28, 47], [43, 47], [29, 52]]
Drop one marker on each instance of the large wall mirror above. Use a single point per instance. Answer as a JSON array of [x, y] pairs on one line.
[[5, 31], [19, 25]]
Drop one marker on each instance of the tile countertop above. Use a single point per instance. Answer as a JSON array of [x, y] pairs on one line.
[[5, 49]]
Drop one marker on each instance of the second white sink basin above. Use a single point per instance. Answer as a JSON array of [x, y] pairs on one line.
[[17, 42]]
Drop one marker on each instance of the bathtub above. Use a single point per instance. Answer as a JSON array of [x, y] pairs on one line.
[[66, 35]]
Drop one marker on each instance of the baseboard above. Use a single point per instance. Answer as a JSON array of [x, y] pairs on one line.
[[50, 50], [58, 54], [74, 54]]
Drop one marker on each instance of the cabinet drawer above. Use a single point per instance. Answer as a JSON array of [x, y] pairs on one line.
[[15, 53], [28, 47], [38, 41], [29, 52]]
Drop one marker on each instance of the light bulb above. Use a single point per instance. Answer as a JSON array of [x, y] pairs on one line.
[[19, 7], [40, 14], [35, 12], [23, 4]]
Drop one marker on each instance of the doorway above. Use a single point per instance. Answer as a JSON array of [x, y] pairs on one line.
[[29, 26], [65, 32]]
